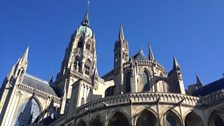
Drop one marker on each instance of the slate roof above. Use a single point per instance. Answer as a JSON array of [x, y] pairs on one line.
[[210, 88], [47, 121], [37, 83], [140, 56]]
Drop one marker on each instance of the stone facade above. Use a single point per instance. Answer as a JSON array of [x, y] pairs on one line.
[[137, 92]]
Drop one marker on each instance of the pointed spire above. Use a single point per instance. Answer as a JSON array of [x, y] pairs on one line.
[[151, 56], [85, 21], [121, 33], [175, 64], [198, 79], [51, 79], [24, 58]]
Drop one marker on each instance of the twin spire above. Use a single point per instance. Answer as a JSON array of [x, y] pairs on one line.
[[121, 37]]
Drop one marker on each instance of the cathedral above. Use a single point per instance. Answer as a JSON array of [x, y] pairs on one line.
[[138, 91]]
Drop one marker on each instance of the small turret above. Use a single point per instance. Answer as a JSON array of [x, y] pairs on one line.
[[198, 80], [193, 87], [176, 65], [151, 56], [176, 83]]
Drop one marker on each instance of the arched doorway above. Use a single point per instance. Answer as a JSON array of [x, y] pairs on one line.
[[171, 119], [96, 122], [146, 118], [27, 112], [81, 123], [193, 120], [118, 119], [215, 119]]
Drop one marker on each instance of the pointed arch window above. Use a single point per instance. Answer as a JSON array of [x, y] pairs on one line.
[[145, 81], [172, 119], [127, 82], [27, 113], [87, 67], [146, 118], [118, 119], [77, 63], [80, 44], [88, 46]]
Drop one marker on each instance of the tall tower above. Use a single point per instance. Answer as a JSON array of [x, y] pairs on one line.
[[176, 79], [79, 60], [121, 55]]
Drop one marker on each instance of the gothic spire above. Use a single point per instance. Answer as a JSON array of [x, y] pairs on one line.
[[121, 33], [151, 56], [24, 58], [198, 79], [85, 21], [175, 64]]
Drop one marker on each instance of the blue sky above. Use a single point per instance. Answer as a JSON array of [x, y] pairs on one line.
[[190, 30]]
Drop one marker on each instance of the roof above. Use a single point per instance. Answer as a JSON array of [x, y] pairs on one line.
[[37, 83], [210, 88], [140, 56], [108, 76]]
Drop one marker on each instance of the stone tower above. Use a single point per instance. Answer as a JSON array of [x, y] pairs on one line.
[[121, 55], [176, 79], [79, 61]]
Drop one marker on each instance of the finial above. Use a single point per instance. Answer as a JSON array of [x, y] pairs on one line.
[[24, 57], [140, 51], [121, 33], [175, 63], [151, 56], [85, 21], [51, 79], [198, 79]]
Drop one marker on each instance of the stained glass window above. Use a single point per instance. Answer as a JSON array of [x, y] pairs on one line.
[[146, 85], [27, 113]]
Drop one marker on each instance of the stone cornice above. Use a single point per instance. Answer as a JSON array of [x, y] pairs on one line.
[[140, 98], [133, 98], [213, 98], [144, 98]]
